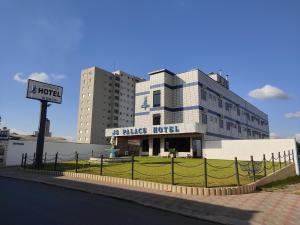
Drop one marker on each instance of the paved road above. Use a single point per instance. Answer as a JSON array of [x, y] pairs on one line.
[[23, 203]]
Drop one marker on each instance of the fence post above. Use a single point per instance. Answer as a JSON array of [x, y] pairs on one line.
[[101, 165], [22, 160], [237, 171], [289, 152], [273, 163], [55, 162], [172, 170], [265, 166], [132, 167], [76, 164], [279, 157], [284, 158], [253, 168], [25, 160], [205, 173], [293, 155], [45, 158]]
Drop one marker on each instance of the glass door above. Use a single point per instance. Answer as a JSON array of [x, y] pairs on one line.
[[197, 148]]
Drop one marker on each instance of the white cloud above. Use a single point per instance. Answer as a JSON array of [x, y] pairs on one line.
[[274, 135], [70, 138], [293, 115], [43, 77], [268, 92], [14, 130], [17, 77]]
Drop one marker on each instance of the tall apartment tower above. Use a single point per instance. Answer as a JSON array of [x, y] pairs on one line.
[[106, 101]]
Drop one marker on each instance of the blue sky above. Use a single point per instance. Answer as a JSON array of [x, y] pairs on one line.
[[255, 42]]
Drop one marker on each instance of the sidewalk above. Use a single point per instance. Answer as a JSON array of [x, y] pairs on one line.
[[256, 208]]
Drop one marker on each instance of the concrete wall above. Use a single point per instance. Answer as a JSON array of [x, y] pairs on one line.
[[16, 148], [243, 149]]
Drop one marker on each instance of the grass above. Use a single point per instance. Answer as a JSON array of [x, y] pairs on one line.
[[188, 172], [281, 184]]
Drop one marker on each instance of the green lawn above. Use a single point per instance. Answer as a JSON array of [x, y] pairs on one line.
[[188, 172], [281, 184]]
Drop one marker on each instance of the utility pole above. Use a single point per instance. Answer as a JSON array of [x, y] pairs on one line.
[[41, 135]]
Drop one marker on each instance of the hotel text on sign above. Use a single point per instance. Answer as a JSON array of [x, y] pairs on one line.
[[144, 131], [43, 91]]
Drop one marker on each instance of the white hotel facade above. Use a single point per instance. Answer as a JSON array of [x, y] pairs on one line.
[[184, 110]]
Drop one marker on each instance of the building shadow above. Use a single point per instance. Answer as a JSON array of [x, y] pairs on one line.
[[171, 203]]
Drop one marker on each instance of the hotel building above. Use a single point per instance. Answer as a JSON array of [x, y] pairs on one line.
[[182, 111], [106, 100]]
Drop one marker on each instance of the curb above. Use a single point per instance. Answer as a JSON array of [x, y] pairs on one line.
[[177, 189]]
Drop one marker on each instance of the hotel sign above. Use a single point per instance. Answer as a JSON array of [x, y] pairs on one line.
[[176, 128], [167, 129], [43, 91]]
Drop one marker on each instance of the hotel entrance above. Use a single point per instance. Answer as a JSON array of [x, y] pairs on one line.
[[156, 146], [197, 147], [159, 140]]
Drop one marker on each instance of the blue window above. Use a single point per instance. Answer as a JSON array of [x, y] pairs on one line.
[[156, 98], [204, 118]]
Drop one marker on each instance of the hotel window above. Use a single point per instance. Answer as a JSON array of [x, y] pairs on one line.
[[203, 94], [239, 129], [221, 123], [227, 107], [156, 98], [238, 111], [227, 125], [204, 118], [247, 116], [156, 119], [249, 132], [220, 103]]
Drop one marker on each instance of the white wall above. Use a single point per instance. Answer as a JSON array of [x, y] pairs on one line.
[[243, 149], [16, 148]]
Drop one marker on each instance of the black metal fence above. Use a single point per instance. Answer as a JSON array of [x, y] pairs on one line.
[[203, 172]]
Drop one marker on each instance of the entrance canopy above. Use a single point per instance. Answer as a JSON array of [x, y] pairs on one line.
[[176, 128]]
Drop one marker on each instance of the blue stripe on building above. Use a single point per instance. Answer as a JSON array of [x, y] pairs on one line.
[[178, 109], [220, 135], [143, 93]]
